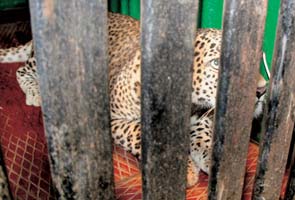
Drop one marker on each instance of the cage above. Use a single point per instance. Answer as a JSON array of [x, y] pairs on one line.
[[73, 75]]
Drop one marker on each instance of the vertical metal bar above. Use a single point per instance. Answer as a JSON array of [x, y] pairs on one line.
[[167, 28], [280, 114], [70, 39], [290, 191], [243, 29], [4, 183]]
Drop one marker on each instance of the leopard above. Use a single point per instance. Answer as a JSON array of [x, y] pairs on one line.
[[124, 60], [202, 126], [26, 75]]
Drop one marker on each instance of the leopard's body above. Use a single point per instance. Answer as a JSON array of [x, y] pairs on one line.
[[16, 54], [124, 76]]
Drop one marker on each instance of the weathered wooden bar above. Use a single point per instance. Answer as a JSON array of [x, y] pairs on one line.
[[290, 191], [5, 193], [168, 30], [280, 113], [70, 39], [243, 29]]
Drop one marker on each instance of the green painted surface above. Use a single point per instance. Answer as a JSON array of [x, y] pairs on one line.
[[270, 32], [134, 8], [126, 7], [211, 13], [6, 4], [113, 5]]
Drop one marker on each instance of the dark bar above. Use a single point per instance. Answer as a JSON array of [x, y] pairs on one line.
[[70, 39], [290, 191], [168, 30], [5, 193], [243, 30], [280, 113], [291, 154]]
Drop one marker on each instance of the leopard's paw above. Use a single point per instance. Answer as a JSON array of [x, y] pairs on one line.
[[27, 79], [33, 97], [192, 173]]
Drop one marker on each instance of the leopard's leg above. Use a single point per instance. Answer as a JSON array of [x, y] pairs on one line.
[[201, 142], [128, 135], [16, 54], [192, 172], [28, 82]]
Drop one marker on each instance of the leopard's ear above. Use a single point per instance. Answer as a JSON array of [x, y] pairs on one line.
[[261, 91], [261, 86], [261, 81]]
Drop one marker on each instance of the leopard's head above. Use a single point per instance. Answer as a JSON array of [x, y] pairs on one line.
[[206, 65]]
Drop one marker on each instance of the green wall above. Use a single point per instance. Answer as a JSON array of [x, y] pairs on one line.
[[127, 7], [6, 4], [270, 31], [211, 14], [211, 17]]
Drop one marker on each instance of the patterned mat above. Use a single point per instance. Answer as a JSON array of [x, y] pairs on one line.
[[22, 140], [25, 151]]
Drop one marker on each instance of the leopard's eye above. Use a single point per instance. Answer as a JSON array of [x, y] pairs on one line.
[[215, 63]]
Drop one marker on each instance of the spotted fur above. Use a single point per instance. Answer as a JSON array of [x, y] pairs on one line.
[[124, 76], [26, 75], [206, 65], [28, 81], [16, 54], [201, 141], [201, 134]]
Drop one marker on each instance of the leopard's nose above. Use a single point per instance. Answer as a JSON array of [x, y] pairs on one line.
[[260, 91]]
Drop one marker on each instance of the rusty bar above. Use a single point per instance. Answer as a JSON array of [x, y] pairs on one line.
[[280, 114], [5, 192], [168, 29], [243, 30], [70, 39], [290, 191]]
